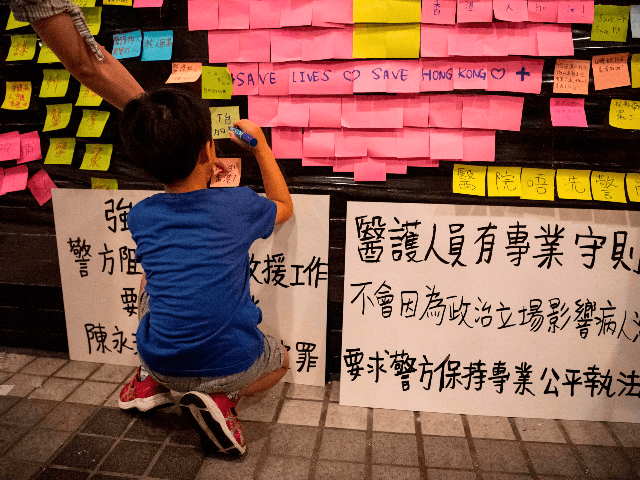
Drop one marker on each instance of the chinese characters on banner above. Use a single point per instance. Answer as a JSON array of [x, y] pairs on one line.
[[100, 279], [508, 311]]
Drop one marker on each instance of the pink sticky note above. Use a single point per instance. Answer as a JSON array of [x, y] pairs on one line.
[[357, 111], [147, 3], [525, 76], [475, 11], [273, 79], [203, 14], [286, 142], [224, 46], [543, 11], [523, 39], [325, 112], [319, 142], [415, 111], [370, 170], [404, 76], [382, 144], [343, 42], [286, 45], [413, 142], [233, 15], [470, 75], [9, 146], [511, 10], [575, 11], [295, 13], [264, 14], [332, 11], [245, 78], [436, 75], [505, 113], [441, 12], [445, 144], [422, 162], [318, 161], [475, 110], [40, 185], [367, 76], [568, 112], [398, 167], [311, 78], [30, 147], [434, 40], [479, 145], [15, 179], [292, 112], [351, 143], [346, 164], [1, 178], [465, 41], [340, 78], [495, 41], [386, 112], [445, 111], [254, 46], [263, 110], [556, 41], [316, 43]]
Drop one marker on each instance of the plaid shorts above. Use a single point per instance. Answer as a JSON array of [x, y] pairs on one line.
[[34, 10]]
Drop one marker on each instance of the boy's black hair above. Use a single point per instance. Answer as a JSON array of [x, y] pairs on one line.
[[164, 131]]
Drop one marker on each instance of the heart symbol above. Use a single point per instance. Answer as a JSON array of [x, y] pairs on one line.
[[351, 73], [499, 71]]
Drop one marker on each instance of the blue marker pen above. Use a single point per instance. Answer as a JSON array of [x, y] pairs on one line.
[[245, 137]]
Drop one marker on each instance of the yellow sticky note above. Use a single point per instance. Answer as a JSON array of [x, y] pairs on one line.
[[58, 116], [93, 15], [13, 23], [403, 41], [221, 119], [18, 96], [85, 3], [610, 23], [404, 11], [55, 82], [216, 83], [538, 184], [92, 123], [503, 181], [608, 187], [23, 47], [624, 114], [369, 11], [97, 157], [47, 55], [469, 179], [635, 70], [633, 186], [123, 3], [573, 184], [104, 183], [370, 41], [87, 98], [60, 151]]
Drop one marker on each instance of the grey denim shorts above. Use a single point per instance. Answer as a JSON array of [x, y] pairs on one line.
[[271, 359]]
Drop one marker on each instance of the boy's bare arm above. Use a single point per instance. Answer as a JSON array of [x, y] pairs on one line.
[[275, 185]]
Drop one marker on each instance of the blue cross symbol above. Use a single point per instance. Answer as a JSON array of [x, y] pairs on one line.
[[522, 74]]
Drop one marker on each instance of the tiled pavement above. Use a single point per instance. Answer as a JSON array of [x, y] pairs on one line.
[[60, 421]]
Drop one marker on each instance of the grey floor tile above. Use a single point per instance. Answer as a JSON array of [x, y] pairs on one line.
[[24, 384], [108, 421], [627, 433], [27, 412], [305, 392], [44, 366], [447, 452], [9, 436], [340, 471], [539, 430], [553, 459], [53, 473], [437, 474], [393, 421], [84, 451], [300, 412], [37, 445], [223, 467], [278, 468], [504, 476], [78, 370], [92, 393], [152, 426], [497, 428], [5, 375], [260, 408], [342, 416], [177, 463], [55, 389], [605, 461], [588, 433], [7, 402], [386, 472], [292, 440], [12, 362], [500, 456], [395, 449], [112, 373], [441, 424], [17, 470], [67, 417], [130, 457], [343, 445]]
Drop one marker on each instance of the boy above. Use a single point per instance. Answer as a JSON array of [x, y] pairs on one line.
[[198, 329]]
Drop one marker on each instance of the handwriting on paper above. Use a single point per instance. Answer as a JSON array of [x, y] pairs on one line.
[[60, 151], [17, 96]]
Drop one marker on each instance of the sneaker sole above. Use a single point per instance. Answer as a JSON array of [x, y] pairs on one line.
[[146, 404], [211, 424]]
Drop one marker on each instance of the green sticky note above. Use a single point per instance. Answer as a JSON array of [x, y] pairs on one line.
[[47, 55], [60, 151], [370, 41], [17, 96], [538, 184], [23, 47], [221, 119], [469, 179], [633, 186], [624, 114], [55, 82], [403, 41], [216, 83], [503, 181], [608, 187], [87, 98], [93, 15], [58, 116], [92, 123], [573, 184], [635, 70], [97, 157], [13, 23], [104, 183], [404, 11], [369, 11], [610, 23]]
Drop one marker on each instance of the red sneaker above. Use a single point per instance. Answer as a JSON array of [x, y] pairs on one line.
[[143, 395], [217, 420]]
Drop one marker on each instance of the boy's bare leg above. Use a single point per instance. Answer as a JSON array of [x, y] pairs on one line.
[[268, 381]]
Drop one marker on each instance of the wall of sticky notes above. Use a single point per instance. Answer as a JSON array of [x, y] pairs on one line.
[[484, 102]]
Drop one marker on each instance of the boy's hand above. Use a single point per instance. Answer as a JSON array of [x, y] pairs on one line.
[[253, 129]]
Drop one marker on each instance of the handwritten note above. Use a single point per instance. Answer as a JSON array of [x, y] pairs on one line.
[[30, 147], [122, 3], [60, 151], [41, 185], [537, 184], [23, 47], [104, 183], [624, 114], [17, 96], [633, 186], [568, 112], [185, 72], [9, 146], [47, 55], [610, 71], [58, 117], [573, 184], [147, 3], [87, 98], [15, 179], [503, 181], [97, 157], [13, 23], [221, 119], [55, 82], [157, 45], [230, 177], [92, 123], [93, 15], [635, 70], [608, 187], [571, 76], [469, 179], [610, 23], [127, 45], [85, 3], [216, 83]]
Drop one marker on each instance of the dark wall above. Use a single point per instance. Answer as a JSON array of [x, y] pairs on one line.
[[31, 310]]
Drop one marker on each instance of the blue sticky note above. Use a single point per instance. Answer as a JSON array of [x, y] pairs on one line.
[[635, 21], [157, 45], [127, 45]]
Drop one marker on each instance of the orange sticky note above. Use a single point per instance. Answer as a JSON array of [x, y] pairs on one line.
[[571, 76], [232, 176], [185, 72], [611, 71], [608, 187], [469, 179], [538, 184], [18, 96]]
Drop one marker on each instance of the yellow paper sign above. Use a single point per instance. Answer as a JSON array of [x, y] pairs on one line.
[[538, 184], [18, 96], [216, 83], [624, 114], [58, 116], [60, 151], [85, 3], [54, 82], [87, 98], [13, 23], [633, 186], [369, 11], [469, 179], [47, 55], [503, 181], [635, 70], [573, 184], [93, 15], [92, 123], [403, 41], [369, 41], [23, 47], [104, 183], [608, 187], [124, 3], [221, 119], [571, 76], [610, 23], [404, 11], [97, 157]]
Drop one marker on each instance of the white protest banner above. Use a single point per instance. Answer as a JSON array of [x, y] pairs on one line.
[[100, 279], [509, 311]]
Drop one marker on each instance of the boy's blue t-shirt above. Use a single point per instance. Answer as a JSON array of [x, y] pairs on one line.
[[194, 249]]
